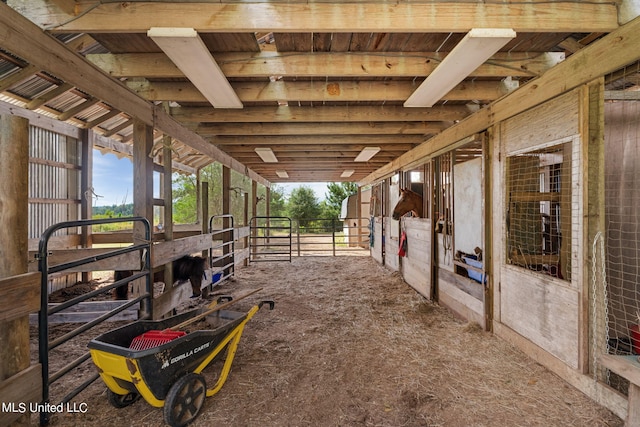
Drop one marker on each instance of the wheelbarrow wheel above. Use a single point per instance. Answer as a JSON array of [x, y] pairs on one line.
[[184, 400], [122, 400]]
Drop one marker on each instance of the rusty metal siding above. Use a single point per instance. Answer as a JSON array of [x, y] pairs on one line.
[[54, 188]]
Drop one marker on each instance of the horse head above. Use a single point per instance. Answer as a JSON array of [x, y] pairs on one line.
[[409, 202]]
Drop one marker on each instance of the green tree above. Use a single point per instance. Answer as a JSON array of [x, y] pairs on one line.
[[303, 204], [337, 193], [278, 203]]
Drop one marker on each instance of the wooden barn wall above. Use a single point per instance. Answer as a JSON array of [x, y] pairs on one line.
[[542, 309], [416, 265], [54, 186]]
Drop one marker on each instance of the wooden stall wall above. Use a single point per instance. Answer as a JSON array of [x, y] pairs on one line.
[[391, 226], [378, 239], [456, 289], [416, 265], [540, 307]]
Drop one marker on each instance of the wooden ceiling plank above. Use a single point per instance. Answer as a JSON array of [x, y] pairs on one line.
[[321, 64], [567, 16]]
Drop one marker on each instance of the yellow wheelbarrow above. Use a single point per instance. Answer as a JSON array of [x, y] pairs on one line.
[[169, 375]]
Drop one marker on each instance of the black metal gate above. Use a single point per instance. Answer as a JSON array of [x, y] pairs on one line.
[[270, 239], [144, 299]]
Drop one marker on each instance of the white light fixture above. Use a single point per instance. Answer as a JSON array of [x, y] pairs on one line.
[[473, 50], [282, 174], [266, 155], [347, 173], [189, 53], [366, 154]]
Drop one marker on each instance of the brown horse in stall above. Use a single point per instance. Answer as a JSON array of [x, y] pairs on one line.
[[409, 201]]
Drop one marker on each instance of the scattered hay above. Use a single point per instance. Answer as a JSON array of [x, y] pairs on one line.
[[350, 344]]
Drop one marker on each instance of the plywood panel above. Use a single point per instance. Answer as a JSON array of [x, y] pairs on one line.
[[416, 266], [467, 200], [391, 240], [543, 310], [376, 249], [552, 121]]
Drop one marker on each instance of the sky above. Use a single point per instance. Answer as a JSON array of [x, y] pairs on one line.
[[113, 181]]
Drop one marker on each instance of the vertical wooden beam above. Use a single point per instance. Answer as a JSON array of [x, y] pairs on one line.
[[254, 200], [199, 216], [142, 185], [142, 174], [14, 175], [594, 211], [86, 189], [487, 151], [167, 195]]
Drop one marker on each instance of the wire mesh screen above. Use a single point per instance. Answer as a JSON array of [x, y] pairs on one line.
[[622, 218], [539, 210]]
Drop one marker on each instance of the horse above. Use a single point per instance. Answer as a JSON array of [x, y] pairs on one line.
[[186, 268], [409, 201]]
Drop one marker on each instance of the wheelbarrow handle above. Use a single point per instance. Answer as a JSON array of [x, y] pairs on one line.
[[270, 302], [208, 312]]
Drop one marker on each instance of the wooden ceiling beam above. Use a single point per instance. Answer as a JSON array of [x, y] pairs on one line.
[[342, 148], [329, 140], [343, 128], [342, 91], [304, 17], [321, 64], [319, 114]]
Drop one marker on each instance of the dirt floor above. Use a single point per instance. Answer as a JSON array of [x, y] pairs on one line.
[[350, 344]]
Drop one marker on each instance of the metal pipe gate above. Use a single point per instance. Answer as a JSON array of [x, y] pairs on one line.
[[145, 300], [269, 239]]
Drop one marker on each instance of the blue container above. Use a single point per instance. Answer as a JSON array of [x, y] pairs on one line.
[[216, 278], [478, 277]]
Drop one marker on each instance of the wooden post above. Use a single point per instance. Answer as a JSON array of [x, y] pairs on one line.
[[167, 195], [359, 217], [142, 184], [14, 175], [86, 190]]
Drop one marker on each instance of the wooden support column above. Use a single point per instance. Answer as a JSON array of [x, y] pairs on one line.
[[142, 174], [86, 190], [142, 186], [14, 175], [167, 195]]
